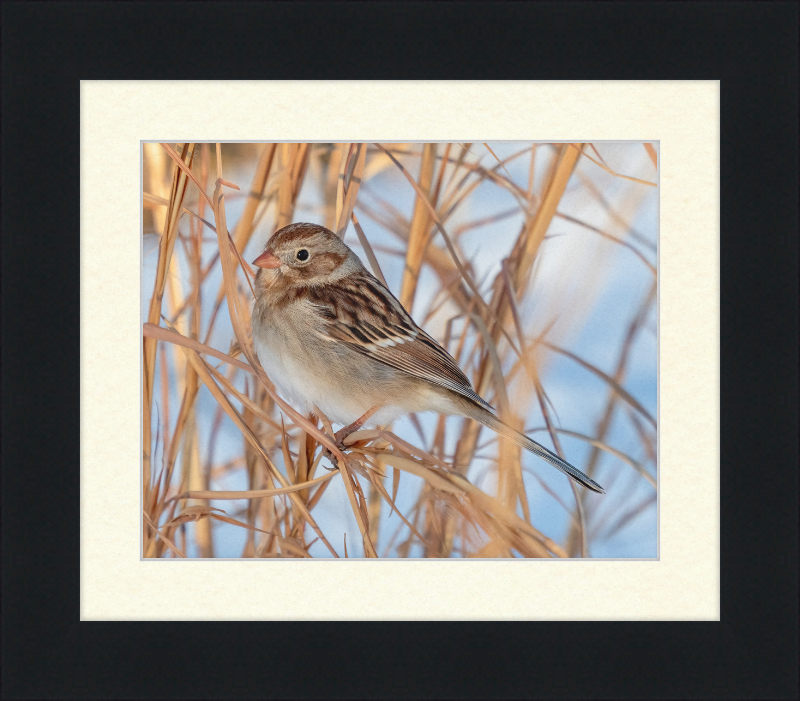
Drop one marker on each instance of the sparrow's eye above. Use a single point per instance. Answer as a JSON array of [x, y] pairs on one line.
[[302, 254]]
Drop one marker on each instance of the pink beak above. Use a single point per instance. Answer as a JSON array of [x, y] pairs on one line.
[[267, 260]]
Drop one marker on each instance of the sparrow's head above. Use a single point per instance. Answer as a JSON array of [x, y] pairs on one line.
[[304, 255]]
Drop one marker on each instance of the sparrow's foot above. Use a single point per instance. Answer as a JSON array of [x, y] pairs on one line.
[[328, 454], [343, 433]]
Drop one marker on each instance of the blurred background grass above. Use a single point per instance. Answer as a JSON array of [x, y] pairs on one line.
[[560, 241]]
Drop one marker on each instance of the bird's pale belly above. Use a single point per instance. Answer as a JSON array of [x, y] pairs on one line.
[[308, 380]]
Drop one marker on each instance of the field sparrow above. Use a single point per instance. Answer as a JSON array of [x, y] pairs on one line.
[[332, 338]]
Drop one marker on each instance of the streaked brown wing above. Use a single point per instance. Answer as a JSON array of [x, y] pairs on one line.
[[363, 314]]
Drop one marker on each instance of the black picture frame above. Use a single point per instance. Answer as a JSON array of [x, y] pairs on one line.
[[48, 48]]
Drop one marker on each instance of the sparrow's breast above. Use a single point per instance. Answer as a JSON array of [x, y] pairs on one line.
[[307, 371]]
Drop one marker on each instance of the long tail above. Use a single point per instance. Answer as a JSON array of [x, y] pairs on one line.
[[491, 421]]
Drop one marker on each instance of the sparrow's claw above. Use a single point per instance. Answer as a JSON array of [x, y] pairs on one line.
[[343, 433], [326, 453]]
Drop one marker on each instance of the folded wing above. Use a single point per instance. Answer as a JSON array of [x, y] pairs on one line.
[[364, 315]]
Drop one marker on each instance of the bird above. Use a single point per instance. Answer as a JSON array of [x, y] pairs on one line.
[[334, 340]]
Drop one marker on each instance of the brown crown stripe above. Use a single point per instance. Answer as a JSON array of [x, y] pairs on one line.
[[297, 231]]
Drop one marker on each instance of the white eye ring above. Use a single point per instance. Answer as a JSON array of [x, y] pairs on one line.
[[302, 255]]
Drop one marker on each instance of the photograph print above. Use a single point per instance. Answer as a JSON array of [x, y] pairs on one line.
[[400, 350]]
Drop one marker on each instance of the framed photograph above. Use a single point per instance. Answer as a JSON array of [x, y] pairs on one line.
[[586, 213]]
